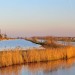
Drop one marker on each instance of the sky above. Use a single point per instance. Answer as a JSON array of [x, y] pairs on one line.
[[37, 17]]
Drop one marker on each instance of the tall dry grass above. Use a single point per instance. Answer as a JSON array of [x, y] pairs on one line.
[[8, 58]]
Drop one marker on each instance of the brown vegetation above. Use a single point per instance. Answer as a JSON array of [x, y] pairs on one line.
[[46, 42], [8, 58]]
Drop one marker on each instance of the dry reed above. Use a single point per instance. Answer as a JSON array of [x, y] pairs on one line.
[[8, 58]]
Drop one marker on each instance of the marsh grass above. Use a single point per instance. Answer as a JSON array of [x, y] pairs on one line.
[[14, 57]]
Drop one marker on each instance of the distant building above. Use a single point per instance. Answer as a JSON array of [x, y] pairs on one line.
[[2, 35]]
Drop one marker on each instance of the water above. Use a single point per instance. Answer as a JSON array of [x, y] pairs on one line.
[[11, 44], [60, 67], [66, 43]]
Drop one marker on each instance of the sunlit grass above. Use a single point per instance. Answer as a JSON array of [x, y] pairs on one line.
[[16, 56]]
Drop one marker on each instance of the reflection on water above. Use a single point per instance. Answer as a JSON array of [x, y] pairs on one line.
[[13, 70], [60, 67]]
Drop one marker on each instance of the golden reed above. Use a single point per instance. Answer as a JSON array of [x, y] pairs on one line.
[[14, 57]]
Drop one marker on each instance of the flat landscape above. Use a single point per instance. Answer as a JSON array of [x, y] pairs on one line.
[[37, 37]]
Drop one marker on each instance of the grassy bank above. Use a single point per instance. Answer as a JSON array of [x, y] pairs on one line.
[[15, 57]]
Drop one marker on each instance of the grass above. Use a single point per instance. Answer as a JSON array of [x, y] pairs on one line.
[[8, 58]]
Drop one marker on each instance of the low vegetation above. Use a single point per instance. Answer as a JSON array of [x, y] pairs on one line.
[[46, 43], [14, 57]]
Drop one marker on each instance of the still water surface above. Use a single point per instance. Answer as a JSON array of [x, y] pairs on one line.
[[10, 44], [60, 67]]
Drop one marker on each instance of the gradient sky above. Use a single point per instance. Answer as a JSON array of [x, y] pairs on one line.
[[37, 17]]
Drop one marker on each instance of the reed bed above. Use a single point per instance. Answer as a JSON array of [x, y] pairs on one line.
[[14, 57]]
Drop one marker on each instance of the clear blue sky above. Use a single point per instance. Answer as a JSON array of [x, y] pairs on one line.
[[37, 17]]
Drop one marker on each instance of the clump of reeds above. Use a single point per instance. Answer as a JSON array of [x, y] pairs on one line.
[[8, 58], [14, 57]]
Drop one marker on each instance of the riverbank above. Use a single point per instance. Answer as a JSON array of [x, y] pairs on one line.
[[2, 39], [8, 58]]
